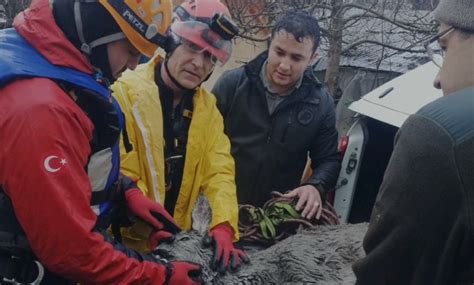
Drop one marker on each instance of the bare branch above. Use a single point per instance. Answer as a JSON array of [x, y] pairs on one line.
[[356, 44], [345, 25], [255, 39], [403, 25]]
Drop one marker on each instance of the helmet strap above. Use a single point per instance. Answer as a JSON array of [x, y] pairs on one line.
[[96, 50], [172, 45], [209, 75], [87, 47], [100, 59], [173, 79]]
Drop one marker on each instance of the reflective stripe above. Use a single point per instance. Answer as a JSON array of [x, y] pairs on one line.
[[96, 209], [99, 169], [149, 157]]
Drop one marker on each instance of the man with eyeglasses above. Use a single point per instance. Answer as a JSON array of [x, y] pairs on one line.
[[422, 225], [178, 146]]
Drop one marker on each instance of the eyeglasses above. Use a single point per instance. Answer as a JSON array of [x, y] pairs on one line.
[[193, 48], [434, 50]]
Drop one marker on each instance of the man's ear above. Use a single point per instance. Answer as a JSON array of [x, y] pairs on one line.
[[201, 215]]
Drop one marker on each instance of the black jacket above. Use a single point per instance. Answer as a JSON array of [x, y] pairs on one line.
[[270, 152], [422, 226]]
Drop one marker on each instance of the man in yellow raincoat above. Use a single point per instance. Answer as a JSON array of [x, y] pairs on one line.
[[177, 147]]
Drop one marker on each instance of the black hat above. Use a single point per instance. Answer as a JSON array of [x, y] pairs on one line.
[[89, 27]]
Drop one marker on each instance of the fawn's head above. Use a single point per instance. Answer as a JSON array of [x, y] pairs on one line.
[[188, 246]]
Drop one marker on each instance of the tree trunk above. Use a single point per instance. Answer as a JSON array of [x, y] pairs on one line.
[[335, 47]]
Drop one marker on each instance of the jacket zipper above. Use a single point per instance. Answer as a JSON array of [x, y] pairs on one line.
[[285, 131]]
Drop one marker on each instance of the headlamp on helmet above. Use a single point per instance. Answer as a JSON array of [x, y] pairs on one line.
[[224, 26], [204, 26], [203, 39]]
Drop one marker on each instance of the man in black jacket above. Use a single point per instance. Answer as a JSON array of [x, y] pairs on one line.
[[275, 112], [422, 225]]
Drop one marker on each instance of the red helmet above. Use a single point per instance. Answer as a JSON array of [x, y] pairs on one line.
[[205, 26], [200, 9]]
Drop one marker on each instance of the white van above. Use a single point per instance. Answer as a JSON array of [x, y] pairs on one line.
[[368, 144]]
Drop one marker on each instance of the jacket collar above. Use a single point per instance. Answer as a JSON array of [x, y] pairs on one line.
[[38, 27]]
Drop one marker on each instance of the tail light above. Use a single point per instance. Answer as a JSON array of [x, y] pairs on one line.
[[343, 143]]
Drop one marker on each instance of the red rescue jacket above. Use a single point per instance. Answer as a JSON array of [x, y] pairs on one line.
[[44, 151]]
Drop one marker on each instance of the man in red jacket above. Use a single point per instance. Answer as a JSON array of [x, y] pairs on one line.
[[59, 132]]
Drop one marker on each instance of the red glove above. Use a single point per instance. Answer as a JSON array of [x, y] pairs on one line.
[[152, 213], [226, 256], [183, 273], [157, 237]]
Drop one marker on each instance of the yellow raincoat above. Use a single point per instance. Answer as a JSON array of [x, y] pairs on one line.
[[209, 167]]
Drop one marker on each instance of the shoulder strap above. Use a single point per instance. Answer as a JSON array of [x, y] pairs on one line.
[[22, 60]]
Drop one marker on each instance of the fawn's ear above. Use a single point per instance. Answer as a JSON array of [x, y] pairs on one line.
[[201, 215]]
